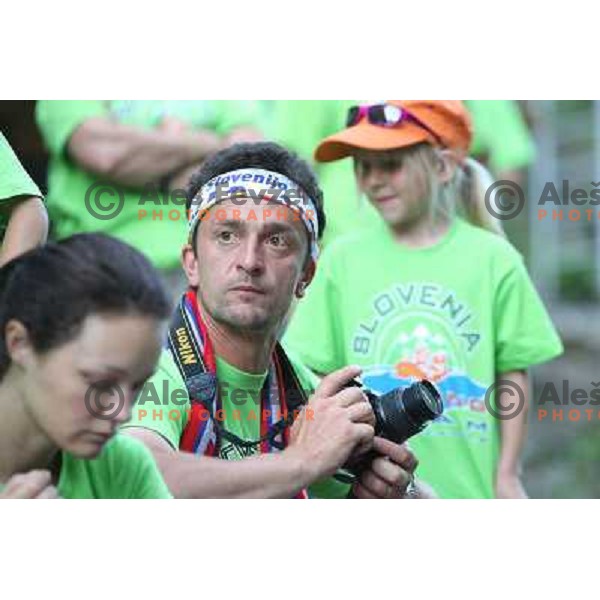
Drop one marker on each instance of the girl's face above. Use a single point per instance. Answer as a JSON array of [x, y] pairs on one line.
[[79, 393], [395, 184]]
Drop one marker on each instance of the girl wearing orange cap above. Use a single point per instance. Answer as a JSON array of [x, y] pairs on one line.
[[434, 290]]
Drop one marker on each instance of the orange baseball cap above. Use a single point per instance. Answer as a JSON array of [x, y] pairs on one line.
[[449, 120]]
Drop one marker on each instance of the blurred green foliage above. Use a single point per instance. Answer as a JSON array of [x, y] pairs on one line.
[[576, 284]]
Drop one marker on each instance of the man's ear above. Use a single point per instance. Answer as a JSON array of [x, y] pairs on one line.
[[447, 165], [18, 343], [189, 262], [307, 276]]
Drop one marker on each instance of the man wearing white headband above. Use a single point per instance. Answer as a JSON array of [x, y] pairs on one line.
[[228, 413]]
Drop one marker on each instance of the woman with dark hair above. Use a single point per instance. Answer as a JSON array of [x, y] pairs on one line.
[[81, 325]]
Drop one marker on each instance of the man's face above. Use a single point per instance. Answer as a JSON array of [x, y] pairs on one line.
[[248, 264]]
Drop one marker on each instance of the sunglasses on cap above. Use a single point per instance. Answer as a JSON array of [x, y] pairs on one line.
[[385, 115]]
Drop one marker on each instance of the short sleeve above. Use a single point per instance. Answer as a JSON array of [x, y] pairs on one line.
[[58, 119], [525, 335], [163, 403], [144, 480], [313, 334], [14, 179]]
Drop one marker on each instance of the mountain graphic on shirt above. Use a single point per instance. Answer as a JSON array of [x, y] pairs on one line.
[[426, 356]]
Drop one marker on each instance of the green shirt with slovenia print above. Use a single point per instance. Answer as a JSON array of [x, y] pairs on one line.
[[457, 313]]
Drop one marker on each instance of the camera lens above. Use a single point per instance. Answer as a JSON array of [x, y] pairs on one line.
[[400, 414], [422, 401]]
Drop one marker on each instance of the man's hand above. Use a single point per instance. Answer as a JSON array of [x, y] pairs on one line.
[[332, 425], [34, 484], [389, 474]]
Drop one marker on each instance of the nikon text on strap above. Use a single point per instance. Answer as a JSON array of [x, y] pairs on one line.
[[281, 395]]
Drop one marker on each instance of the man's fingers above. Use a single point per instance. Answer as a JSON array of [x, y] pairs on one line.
[[401, 455], [363, 433], [377, 487], [350, 396], [362, 493], [331, 384], [363, 448], [361, 412], [390, 473]]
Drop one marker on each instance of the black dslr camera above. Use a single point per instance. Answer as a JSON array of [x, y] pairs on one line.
[[399, 414]]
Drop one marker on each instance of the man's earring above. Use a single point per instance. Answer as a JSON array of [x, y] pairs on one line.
[[300, 289]]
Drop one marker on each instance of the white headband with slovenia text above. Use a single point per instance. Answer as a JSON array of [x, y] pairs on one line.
[[257, 186]]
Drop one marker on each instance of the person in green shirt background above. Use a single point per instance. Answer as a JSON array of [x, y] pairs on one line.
[[82, 324], [434, 292], [131, 156], [501, 138], [23, 217]]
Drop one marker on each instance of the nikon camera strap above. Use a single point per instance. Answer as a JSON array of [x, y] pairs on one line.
[[196, 363]]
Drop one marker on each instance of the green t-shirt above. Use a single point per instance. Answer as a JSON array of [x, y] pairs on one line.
[[457, 313], [160, 234], [124, 469], [163, 407], [14, 181]]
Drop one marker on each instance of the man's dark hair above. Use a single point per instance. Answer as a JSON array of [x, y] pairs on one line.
[[52, 289], [261, 155]]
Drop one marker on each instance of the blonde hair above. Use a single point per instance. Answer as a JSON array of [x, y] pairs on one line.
[[464, 195]]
